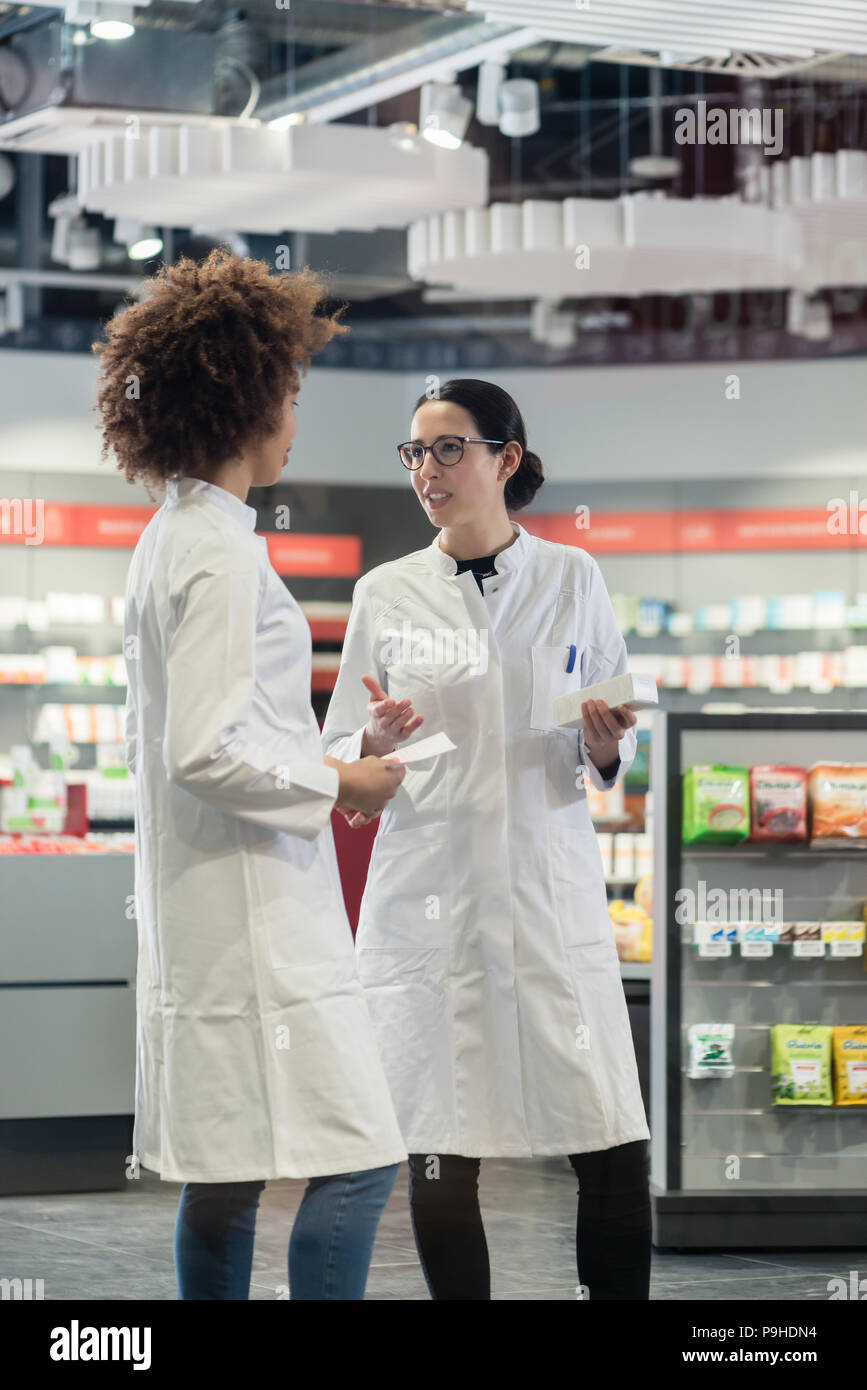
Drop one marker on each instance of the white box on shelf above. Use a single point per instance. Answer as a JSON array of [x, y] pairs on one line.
[[605, 842], [624, 857]]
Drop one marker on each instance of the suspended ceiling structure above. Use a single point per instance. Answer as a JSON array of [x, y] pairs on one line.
[[305, 120]]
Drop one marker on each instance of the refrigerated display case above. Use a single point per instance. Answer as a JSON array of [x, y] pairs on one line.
[[730, 1168], [67, 1020]]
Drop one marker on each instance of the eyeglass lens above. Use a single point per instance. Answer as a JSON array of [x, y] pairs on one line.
[[447, 451]]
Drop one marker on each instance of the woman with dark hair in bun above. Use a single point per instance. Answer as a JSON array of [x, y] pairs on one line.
[[484, 942]]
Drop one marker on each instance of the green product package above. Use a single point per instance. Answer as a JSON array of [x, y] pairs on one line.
[[801, 1064], [716, 805]]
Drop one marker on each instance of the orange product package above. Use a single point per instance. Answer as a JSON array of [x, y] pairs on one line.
[[837, 794]]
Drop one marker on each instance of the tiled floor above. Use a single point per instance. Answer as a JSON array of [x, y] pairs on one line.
[[118, 1245]]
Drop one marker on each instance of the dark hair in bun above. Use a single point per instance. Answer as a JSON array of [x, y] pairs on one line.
[[497, 417]]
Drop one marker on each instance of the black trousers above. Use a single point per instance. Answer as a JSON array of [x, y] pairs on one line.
[[612, 1232]]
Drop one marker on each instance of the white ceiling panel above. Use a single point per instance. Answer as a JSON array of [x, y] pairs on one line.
[[635, 245], [703, 27], [315, 178]]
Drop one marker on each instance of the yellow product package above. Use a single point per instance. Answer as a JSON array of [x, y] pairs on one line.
[[849, 1042]]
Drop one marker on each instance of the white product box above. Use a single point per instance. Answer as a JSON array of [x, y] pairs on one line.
[[624, 857], [637, 692], [643, 855], [605, 842]]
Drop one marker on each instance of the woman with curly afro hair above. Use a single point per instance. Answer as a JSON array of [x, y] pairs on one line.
[[256, 1058]]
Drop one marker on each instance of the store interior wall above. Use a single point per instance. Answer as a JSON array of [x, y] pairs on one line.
[[591, 436], [646, 422]]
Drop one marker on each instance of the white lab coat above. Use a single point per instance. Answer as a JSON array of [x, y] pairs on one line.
[[256, 1057], [484, 941]]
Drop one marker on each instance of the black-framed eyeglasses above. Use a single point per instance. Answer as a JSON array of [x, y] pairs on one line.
[[447, 450]]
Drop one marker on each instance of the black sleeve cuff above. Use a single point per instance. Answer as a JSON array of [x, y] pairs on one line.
[[606, 773]]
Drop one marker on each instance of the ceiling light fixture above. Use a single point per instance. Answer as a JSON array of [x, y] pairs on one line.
[[111, 29], [656, 164], [148, 245], [520, 113], [284, 122], [141, 241], [84, 248], [63, 211], [7, 175], [491, 78], [444, 114], [404, 135], [106, 19]]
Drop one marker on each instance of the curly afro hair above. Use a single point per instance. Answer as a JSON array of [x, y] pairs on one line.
[[199, 370]]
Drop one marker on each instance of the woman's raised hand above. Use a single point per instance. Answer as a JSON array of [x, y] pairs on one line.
[[366, 785], [389, 722]]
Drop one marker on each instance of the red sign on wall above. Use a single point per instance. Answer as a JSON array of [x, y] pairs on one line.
[[33, 522], [338, 556], [632, 533], [28, 521]]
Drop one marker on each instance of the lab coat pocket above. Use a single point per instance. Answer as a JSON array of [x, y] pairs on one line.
[[550, 679], [578, 882], [406, 902]]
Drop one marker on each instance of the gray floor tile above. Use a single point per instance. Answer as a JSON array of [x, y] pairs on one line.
[[118, 1245]]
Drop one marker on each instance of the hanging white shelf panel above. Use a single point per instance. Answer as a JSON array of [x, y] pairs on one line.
[[634, 245], [315, 178], [827, 195], [709, 27]]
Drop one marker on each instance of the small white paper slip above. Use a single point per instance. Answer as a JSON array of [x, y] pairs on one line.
[[425, 748], [846, 948], [808, 948], [709, 949], [857, 1072], [762, 949]]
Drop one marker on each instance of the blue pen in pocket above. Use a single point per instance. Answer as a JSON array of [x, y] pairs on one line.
[[570, 663]]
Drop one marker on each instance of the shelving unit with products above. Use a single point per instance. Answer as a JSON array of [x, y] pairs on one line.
[[731, 1165]]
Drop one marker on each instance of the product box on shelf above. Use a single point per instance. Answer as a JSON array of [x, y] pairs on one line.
[[778, 803], [838, 804], [801, 1064], [849, 1043], [716, 805]]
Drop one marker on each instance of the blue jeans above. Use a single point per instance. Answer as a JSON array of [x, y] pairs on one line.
[[329, 1250]]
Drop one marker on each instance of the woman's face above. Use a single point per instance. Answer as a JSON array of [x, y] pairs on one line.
[[469, 490], [273, 453]]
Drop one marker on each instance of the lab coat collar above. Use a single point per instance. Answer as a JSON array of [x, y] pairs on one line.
[[176, 488], [509, 559]]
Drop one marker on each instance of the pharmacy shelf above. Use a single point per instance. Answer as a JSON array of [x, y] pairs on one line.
[[790, 1194], [773, 852], [788, 639], [635, 970]]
